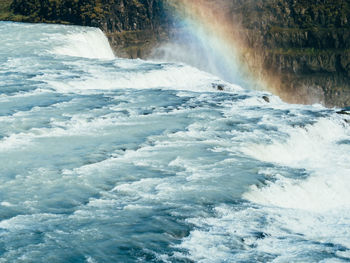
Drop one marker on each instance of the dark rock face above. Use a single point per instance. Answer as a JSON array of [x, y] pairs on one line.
[[110, 15], [134, 27], [305, 43], [301, 46]]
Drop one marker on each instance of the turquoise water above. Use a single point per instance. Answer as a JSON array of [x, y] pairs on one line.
[[113, 160]]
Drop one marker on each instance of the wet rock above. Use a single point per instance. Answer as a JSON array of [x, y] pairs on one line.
[[267, 99], [219, 87], [343, 112], [261, 235]]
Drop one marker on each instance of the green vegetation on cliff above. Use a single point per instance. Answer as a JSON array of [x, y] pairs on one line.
[[6, 12], [81, 12], [51, 11], [109, 15], [5, 9]]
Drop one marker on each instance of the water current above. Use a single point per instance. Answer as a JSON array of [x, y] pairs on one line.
[[106, 159]]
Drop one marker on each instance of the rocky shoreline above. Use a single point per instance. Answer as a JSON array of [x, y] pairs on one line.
[[302, 47]]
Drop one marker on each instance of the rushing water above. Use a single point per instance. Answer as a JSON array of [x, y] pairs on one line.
[[113, 160]]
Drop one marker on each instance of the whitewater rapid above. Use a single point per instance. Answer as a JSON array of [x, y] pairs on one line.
[[113, 160]]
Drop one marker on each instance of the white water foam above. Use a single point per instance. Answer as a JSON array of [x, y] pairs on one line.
[[168, 77], [318, 149], [77, 125], [216, 239], [88, 43]]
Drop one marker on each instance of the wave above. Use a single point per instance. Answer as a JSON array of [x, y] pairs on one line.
[[89, 43], [318, 148], [139, 76]]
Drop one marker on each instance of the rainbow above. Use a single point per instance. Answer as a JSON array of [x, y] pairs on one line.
[[206, 19]]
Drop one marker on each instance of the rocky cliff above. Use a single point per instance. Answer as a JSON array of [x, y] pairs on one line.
[[301, 46], [306, 44]]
